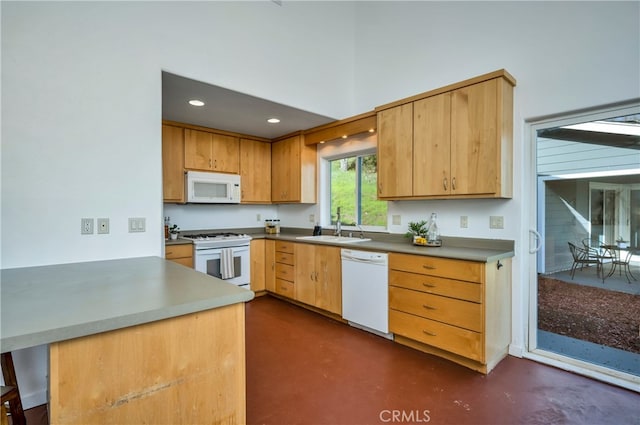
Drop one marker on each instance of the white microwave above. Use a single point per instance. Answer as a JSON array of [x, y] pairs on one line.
[[212, 188]]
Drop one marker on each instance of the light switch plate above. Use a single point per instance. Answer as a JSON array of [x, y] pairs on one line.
[[464, 221], [396, 220], [137, 224], [103, 226], [496, 222]]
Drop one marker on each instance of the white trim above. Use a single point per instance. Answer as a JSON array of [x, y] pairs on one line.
[[530, 350]]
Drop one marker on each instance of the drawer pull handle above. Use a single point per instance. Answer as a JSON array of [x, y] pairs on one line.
[[428, 285], [424, 266], [428, 307], [429, 333]]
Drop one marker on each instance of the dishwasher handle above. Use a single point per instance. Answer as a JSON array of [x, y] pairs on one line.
[[364, 257]]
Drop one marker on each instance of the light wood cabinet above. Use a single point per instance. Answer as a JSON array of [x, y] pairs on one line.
[[284, 269], [451, 142], [207, 151], [173, 164], [258, 264], [270, 265], [456, 309], [293, 171], [255, 170], [319, 276], [181, 254]]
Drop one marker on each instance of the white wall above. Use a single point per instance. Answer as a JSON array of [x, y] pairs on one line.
[[81, 96]]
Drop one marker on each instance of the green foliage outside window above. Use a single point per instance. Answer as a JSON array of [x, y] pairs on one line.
[[354, 190]]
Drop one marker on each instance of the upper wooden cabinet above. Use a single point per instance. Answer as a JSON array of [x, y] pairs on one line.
[[255, 170], [207, 151], [451, 142], [173, 163], [293, 171]]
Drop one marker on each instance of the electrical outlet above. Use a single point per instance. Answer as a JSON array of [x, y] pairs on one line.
[[312, 218], [137, 224], [464, 221], [258, 217], [103, 225], [86, 226], [395, 220], [496, 222]]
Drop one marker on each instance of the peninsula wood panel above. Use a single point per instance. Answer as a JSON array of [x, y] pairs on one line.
[[188, 369], [181, 254]]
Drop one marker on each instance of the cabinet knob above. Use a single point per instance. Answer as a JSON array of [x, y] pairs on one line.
[[428, 333], [453, 183], [428, 285], [425, 266], [428, 307], [444, 183]]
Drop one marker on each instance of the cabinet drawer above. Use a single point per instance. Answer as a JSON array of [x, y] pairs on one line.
[[284, 257], [186, 261], [284, 246], [468, 291], [178, 251], [460, 313], [285, 271], [450, 338], [470, 271], [285, 288]]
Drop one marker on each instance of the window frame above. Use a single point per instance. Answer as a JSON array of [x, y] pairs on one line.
[[354, 146]]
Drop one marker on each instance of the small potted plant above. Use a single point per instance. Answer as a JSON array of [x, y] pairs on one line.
[[418, 232], [173, 231]]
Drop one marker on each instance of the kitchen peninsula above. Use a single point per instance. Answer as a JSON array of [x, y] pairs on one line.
[[138, 340]]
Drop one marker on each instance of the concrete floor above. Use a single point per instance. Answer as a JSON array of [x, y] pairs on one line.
[[303, 368]]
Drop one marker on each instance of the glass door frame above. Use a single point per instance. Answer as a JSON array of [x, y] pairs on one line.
[[530, 208]]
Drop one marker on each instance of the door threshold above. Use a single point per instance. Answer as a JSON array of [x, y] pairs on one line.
[[590, 370]]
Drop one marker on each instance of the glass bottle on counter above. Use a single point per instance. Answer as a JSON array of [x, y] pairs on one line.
[[433, 234]]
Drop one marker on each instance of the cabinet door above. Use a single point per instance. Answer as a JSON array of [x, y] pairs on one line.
[[432, 145], [225, 153], [257, 254], [255, 169], [475, 128], [270, 265], [285, 183], [329, 284], [395, 152], [173, 163], [306, 273], [197, 150]]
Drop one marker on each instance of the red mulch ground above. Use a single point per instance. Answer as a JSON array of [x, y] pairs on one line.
[[591, 314]]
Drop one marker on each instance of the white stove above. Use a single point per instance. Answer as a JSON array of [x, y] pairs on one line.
[[223, 255]]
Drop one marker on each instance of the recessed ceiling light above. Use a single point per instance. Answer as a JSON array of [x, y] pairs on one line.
[[344, 136], [273, 120], [196, 102], [371, 130]]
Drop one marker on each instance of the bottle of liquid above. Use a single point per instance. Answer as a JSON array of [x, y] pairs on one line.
[[166, 227], [433, 234]]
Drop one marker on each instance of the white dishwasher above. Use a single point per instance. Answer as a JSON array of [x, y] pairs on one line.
[[365, 291]]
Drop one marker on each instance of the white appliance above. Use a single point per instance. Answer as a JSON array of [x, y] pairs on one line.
[[365, 291], [212, 188], [223, 255]]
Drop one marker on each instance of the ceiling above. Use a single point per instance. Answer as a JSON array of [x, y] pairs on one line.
[[230, 110]]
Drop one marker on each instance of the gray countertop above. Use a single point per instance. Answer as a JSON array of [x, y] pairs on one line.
[[471, 249], [46, 304]]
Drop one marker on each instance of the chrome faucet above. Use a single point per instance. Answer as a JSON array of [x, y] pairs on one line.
[[361, 231], [338, 224]]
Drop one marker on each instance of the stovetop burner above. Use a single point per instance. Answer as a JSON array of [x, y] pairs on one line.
[[220, 235], [218, 238]]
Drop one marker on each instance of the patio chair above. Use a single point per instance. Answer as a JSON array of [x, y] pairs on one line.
[[595, 250], [581, 258]]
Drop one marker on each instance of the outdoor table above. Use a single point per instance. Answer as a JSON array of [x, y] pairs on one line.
[[621, 260]]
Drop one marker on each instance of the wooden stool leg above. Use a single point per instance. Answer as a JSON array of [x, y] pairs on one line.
[[9, 375]]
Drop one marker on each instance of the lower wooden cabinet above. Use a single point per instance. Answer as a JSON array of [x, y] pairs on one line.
[[456, 309], [284, 269], [182, 254], [319, 276], [258, 261]]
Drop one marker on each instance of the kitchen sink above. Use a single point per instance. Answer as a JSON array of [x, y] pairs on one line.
[[332, 238]]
